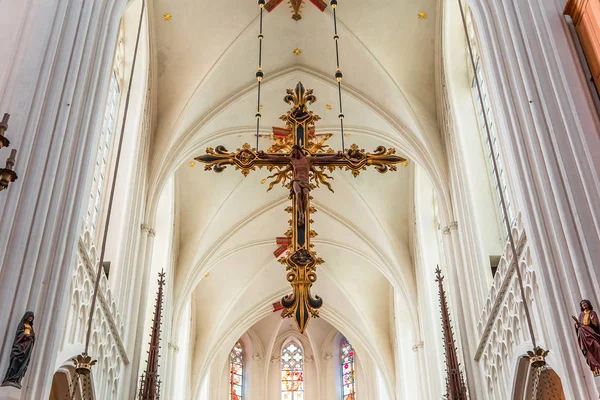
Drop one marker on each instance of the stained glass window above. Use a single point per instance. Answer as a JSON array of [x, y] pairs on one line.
[[347, 360], [236, 372], [292, 372]]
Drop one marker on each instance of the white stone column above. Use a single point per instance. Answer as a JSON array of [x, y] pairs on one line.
[[138, 300], [464, 322], [54, 85], [548, 128]]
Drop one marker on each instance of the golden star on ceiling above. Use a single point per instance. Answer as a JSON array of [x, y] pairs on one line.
[[167, 17], [192, 164], [328, 107], [422, 15], [297, 51]]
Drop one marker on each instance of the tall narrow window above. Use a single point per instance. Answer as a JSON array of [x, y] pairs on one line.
[[482, 129], [292, 372], [347, 360], [109, 125], [236, 372]]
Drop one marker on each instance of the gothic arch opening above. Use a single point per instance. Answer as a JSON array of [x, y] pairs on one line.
[[537, 384], [67, 385]]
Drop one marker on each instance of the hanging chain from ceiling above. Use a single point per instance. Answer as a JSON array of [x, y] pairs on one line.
[[338, 71], [259, 74]]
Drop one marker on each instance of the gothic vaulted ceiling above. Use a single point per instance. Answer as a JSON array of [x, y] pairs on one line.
[[205, 58]]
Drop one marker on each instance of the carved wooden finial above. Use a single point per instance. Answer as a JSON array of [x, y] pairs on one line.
[[150, 383], [455, 385]]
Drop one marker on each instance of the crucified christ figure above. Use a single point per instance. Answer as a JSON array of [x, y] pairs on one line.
[[301, 165]]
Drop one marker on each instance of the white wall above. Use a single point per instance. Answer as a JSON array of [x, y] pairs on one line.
[[120, 228], [427, 256], [161, 260]]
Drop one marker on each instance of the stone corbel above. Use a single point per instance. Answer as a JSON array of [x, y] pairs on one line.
[[328, 357], [418, 346], [146, 228], [256, 357], [452, 225], [275, 359]]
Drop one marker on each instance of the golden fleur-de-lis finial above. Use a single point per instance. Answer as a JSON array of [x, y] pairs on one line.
[[167, 17], [422, 15]]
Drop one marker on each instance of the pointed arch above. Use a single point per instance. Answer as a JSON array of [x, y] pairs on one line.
[[236, 372], [347, 358], [292, 370]]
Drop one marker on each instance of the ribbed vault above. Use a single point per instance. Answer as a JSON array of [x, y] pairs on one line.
[[226, 224]]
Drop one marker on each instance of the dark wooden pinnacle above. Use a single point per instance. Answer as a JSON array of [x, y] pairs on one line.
[[150, 382], [455, 385]]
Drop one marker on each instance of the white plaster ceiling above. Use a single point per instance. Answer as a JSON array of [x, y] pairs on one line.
[[206, 57]]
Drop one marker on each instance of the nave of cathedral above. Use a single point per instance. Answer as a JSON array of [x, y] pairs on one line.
[[299, 199]]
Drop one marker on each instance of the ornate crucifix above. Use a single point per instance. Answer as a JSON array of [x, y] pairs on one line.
[[300, 161]]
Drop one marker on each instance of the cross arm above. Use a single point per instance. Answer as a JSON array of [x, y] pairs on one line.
[[355, 160], [245, 159]]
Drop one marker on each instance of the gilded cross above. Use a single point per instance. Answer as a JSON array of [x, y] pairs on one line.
[[300, 160]]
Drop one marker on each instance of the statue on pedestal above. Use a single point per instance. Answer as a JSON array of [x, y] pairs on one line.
[[587, 327], [21, 352]]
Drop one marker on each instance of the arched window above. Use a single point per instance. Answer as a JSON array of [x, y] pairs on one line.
[[472, 37], [347, 362], [292, 372], [236, 372], [109, 126]]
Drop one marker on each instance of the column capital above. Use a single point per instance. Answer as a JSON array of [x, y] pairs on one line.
[[452, 225], [418, 346], [146, 228]]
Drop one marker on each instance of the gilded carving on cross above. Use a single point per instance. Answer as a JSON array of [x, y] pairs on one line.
[[296, 6], [299, 160]]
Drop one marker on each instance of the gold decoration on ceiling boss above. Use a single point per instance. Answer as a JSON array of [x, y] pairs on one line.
[[296, 6]]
